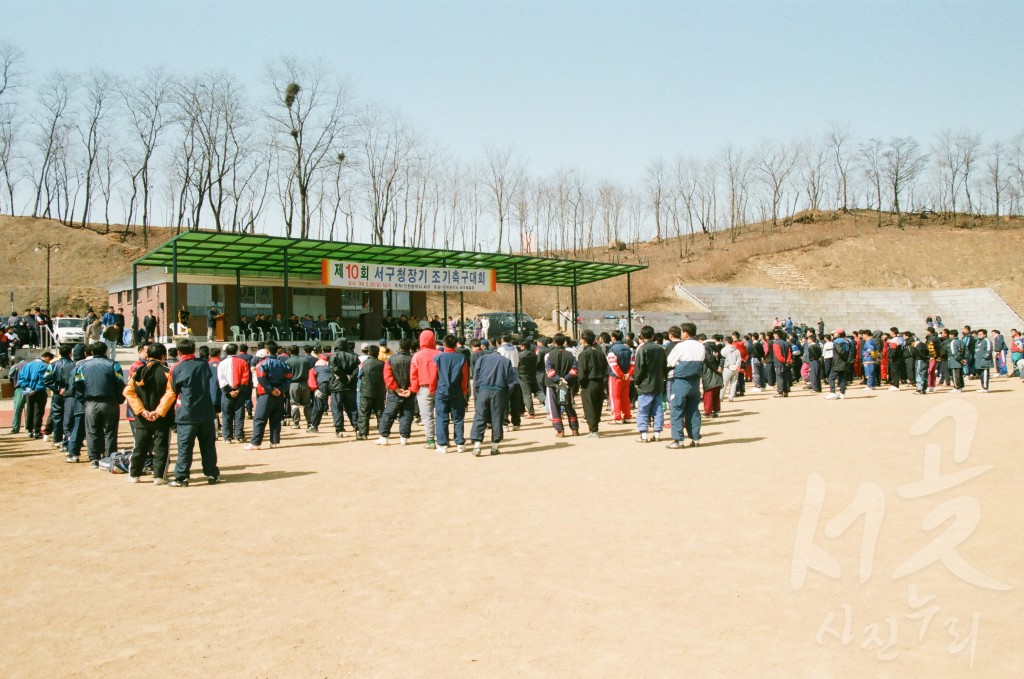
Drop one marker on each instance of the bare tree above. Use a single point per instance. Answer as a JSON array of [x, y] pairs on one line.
[[52, 127], [774, 164], [386, 143], [995, 179], [312, 112], [654, 185], [839, 145], [503, 174], [902, 164], [146, 101], [814, 157], [737, 178], [99, 90], [871, 159], [11, 77]]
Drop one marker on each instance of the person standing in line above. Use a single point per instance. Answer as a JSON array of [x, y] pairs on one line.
[[711, 377], [869, 359], [732, 363], [743, 374], [74, 409], [233, 378], [272, 378], [620, 373], [956, 361], [449, 385], [782, 358], [650, 369], [400, 402], [919, 350], [842, 355], [320, 388], [55, 379], [560, 370], [527, 369], [514, 402], [150, 398], [372, 392], [423, 373], [983, 359], [967, 337], [814, 360], [99, 384], [593, 374], [757, 359], [344, 365], [191, 382], [999, 352], [541, 350], [685, 362], [32, 380], [495, 381], [298, 390]]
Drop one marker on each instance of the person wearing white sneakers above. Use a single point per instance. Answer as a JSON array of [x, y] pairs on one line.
[[449, 384], [842, 354], [494, 381], [983, 359], [152, 402], [401, 401]]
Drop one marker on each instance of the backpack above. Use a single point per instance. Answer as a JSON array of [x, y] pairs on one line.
[[841, 350]]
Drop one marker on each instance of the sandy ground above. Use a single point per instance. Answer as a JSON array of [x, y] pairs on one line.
[[569, 558]]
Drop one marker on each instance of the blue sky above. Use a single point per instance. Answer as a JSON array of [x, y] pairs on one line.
[[598, 86]]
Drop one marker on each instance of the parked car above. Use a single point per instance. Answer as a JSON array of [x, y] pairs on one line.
[[501, 322], [68, 330]]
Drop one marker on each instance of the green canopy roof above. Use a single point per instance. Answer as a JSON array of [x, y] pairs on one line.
[[226, 253]]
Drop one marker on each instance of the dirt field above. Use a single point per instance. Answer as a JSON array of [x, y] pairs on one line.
[[569, 558]]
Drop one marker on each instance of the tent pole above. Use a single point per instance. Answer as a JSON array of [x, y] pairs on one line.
[[515, 296], [575, 307], [287, 292], [444, 302], [238, 298], [135, 303], [462, 315], [629, 301], [174, 284]]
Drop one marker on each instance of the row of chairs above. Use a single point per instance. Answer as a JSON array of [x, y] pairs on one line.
[[334, 331]]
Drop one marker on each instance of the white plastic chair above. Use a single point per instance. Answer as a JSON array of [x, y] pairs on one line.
[[236, 334]]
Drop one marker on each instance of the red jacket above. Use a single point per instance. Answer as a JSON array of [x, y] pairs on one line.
[[423, 371]]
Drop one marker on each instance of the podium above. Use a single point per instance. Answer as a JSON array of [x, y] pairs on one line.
[[219, 330]]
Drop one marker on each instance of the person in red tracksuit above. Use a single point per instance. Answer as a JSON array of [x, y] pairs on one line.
[[620, 373]]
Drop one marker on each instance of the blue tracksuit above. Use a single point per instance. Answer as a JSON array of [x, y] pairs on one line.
[[450, 395]]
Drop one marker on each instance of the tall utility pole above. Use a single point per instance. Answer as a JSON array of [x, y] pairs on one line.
[[49, 247]]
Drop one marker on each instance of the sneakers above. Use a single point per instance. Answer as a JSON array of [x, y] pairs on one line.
[[894, 388], [982, 391], [460, 448], [675, 445], [442, 450], [476, 448], [160, 481], [831, 396], [931, 390], [430, 444], [274, 445], [515, 427], [957, 391], [132, 479], [360, 437], [641, 439], [494, 449], [694, 444], [175, 483], [657, 436], [312, 430], [559, 434], [403, 441], [229, 441], [212, 480], [339, 434], [842, 396], [382, 441], [46, 437], [250, 446], [593, 435]]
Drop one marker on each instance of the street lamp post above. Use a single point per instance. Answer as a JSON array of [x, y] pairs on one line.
[[49, 247]]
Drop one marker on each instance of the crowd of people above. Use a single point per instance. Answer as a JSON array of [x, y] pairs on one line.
[[670, 380]]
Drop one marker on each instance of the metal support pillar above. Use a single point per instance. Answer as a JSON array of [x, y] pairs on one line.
[[238, 299], [444, 303], [575, 307], [462, 314], [135, 304], [174, 283], [629, 302], [515, 297], [287, 293]]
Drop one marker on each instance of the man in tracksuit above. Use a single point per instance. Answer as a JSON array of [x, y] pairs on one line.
[[99, 384], [782, 358], [542, 349], [344, 365], [298, 390], [422, 373], [372, 392], [233, 379], [319, 382], [55, 380], [32, 380], [401, 400], [593, 375], [150, 399], [814, 359], [686, 362], [620, 372], [191, 380], [515, 404], [74, 409], [449, 386], [495, 381], [842, 357], [983, 359], [650, 371], [869, 359], [957, 359], [560, 372], [528, 369], [272, 380]]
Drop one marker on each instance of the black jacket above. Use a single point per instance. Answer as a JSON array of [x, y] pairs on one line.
[[344, 371], [372, 383]]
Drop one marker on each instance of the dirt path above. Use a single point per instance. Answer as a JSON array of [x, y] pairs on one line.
[[560, 558]]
